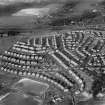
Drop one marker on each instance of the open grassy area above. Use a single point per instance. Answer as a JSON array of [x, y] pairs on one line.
[[7, 42]]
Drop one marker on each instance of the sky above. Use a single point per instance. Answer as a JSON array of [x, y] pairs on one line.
[[17, 7], [9, 7], [12, 10], [7, 2], [85, 5]]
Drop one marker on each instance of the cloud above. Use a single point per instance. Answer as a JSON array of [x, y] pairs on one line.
[[27, 7], [17, 7], [13, 8], [40, 12], [10, 7], [7, 2], [32, 12], [85, 5]]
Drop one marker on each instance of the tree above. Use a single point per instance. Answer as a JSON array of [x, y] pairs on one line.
[[98, 84]]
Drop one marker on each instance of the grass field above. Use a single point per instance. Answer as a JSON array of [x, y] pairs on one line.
[[7, 42]]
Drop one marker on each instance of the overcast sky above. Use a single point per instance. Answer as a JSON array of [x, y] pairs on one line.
[[13, 8], [8, 7]]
